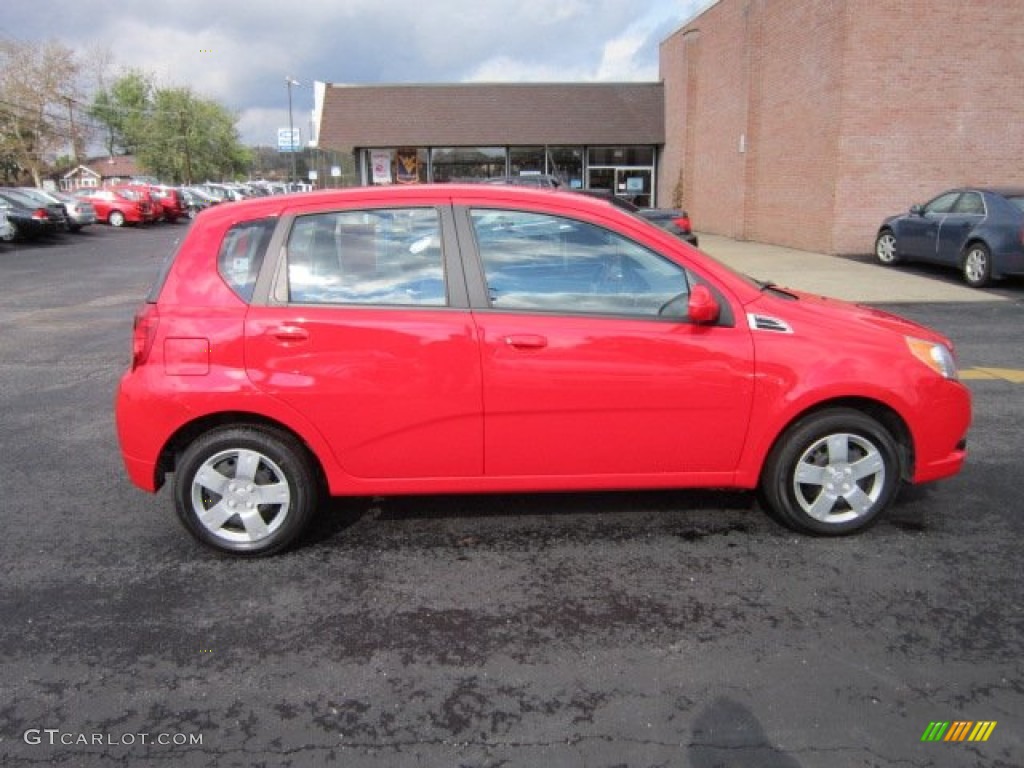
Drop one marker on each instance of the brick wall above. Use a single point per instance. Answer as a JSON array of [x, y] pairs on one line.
[[933, 98], [805, 122]]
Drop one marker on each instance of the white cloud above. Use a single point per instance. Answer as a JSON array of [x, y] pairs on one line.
[[238, 52]]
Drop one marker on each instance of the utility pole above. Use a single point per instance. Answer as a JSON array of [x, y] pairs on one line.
[[291, 130]]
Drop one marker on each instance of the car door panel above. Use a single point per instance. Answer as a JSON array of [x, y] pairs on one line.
[[582, 375], [396, 393], [365, 331], [611, 396]]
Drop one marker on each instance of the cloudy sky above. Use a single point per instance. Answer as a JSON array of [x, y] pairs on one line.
[[239, 52]]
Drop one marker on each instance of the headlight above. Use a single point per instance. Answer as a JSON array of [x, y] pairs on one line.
[[936, 356]]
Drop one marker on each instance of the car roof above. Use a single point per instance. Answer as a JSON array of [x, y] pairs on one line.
[[413, 194], [1005, 191]]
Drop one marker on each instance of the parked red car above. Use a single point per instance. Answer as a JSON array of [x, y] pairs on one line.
[[152, 210], [118, 207], [171, 203], [477, 338]]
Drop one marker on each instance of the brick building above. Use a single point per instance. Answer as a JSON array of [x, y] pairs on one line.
[[805, 122]]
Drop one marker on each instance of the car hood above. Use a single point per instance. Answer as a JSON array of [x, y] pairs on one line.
[[810, 311]]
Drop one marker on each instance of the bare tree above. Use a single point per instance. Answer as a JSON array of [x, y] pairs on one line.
[[39, 90]]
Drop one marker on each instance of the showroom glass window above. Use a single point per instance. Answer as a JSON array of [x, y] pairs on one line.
[[467, 163], [537, 262], [384, 257]]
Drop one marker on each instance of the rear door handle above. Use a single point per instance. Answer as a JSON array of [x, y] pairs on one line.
[[526, 341], [289, 333]]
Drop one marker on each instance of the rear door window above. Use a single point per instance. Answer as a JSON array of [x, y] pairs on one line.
[[384, 257]]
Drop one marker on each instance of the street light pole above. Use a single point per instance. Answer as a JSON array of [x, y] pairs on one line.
[[291, 130]]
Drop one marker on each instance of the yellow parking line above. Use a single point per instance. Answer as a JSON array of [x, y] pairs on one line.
[[1011, 375]]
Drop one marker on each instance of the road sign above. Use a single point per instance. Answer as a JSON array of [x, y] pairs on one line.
[[288, 140]]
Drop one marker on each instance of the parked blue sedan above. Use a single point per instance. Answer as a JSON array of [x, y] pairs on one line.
[[980, 231]]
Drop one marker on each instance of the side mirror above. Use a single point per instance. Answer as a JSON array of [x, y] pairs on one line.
[[917, 210], [702, 307]]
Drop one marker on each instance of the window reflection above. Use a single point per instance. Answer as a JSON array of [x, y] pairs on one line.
[[552, 264], [383, 257]]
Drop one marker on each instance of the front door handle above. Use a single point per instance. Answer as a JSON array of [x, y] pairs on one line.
[[290, 333], [526, 341]]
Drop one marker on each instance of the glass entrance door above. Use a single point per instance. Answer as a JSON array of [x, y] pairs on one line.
[[634, 184]]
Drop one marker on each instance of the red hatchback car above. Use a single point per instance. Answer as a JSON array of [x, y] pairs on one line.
[[440, 339], [117, 207]]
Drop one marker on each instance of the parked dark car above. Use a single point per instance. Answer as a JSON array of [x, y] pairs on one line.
[[673, 220], [55, 208], [27, 218], [80, 213], [979, 231], [196, 202]]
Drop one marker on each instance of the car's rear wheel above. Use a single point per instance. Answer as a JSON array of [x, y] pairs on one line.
[[977, 265], [885, 248], [831, 473], [246, 490], [116, 219]]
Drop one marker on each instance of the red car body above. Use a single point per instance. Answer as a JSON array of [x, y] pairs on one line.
[[466, 394], [171, 203], [115, 207], [151, 209]]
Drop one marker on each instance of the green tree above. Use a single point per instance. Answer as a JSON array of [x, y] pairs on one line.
[[38, 90], [125, 109], [173, 134]]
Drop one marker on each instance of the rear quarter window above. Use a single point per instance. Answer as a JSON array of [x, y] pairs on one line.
[[241, 255]]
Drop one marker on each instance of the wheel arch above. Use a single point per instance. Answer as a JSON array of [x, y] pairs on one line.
[[176, 444], [884, 414], [972, 240]]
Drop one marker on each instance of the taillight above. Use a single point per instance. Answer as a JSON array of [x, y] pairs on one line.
[[143, 334], [41, 214], [683, 222]]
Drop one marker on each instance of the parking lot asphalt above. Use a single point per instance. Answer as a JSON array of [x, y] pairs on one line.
[[578, 630]]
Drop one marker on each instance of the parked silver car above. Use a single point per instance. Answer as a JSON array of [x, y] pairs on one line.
[[81, 213]]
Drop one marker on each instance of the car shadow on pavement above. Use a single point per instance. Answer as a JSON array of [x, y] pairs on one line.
[[691, 514], [728, 733]]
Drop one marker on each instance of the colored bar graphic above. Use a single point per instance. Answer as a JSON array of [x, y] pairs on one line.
[[959, 730], [982, 731]]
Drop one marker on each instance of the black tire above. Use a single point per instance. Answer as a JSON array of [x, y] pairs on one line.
[[116, 219], [247, 491], [977, 265], [885, 248], [841, 493]]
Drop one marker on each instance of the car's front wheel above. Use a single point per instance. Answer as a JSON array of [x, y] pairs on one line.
[[831, 473], [977, 265], [246, 490], [116, 219], [885, 248]]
